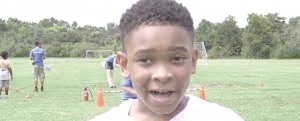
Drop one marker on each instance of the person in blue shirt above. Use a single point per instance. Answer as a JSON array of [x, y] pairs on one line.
[[127, 87], [38, 54], [109, 66]]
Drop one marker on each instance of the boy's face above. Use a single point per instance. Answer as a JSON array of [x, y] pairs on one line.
[[160, 61]]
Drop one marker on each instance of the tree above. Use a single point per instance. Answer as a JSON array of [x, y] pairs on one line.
[[265, 36], [290, 47], [229, 37], [3, 26], [74, 25], [262, 35], [117, 43], [48, 22], [206, 32]]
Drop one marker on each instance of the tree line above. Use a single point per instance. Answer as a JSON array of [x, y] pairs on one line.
[[265, 36]]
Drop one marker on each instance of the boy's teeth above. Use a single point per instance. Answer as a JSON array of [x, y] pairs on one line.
[[160, 93]]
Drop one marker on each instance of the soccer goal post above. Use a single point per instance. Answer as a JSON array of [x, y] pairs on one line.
[[201, 51], [98, 53]]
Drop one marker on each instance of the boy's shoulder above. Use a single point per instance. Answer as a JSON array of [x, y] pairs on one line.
[[112, 56], [40, 49], [198, 109], [37, 49], [116, 113], [5, 61]]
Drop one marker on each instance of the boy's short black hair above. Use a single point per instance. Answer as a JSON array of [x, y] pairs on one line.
[[37, 43], [155, 12], [4, 54]]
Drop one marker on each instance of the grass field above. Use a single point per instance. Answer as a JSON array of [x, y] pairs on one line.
[[258, 90]]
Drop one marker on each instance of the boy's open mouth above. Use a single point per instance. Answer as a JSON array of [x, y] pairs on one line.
[[163, 93], [161, 97]]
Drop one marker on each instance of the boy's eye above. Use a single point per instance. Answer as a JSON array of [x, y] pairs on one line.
[[145, 60], [178, 59]]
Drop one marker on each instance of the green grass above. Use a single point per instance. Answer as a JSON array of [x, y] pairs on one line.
[[235, 84]]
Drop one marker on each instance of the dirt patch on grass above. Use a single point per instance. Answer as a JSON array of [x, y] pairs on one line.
[[222, 85]]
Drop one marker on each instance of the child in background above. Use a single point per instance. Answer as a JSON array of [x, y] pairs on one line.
[[6, 73], [109, 66]]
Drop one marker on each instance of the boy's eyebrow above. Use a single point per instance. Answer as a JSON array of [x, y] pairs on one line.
[[143, 51], [171, 49], [178, 49]]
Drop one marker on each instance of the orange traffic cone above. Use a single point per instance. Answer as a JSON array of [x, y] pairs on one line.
[[100, 101], [202, 92]]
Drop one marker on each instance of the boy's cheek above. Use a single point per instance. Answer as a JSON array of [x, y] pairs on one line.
[[138, 72], [182, 74]]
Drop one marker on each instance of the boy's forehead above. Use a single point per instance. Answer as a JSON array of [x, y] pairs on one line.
[[142, 32], [128, 35]]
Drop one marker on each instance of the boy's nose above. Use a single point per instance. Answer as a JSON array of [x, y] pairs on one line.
[[162, 73]]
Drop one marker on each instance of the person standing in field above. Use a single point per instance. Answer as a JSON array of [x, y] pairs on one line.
[[6, 74], [109, 67], [38, 54], [157, 38]]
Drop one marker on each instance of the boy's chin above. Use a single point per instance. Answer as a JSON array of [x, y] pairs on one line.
[[163, 110], [170, 109]]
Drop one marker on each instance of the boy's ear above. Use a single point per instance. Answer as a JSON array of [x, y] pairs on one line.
[[122, 61], [194, 60]]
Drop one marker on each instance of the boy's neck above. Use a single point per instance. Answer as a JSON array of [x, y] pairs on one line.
[[140, 112]]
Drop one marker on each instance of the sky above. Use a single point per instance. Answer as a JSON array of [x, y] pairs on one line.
[[100, 12]]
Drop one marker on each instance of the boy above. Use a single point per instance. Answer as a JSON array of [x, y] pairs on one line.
[[38, 54], [157, 36], [5, 73], [109, 66]]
